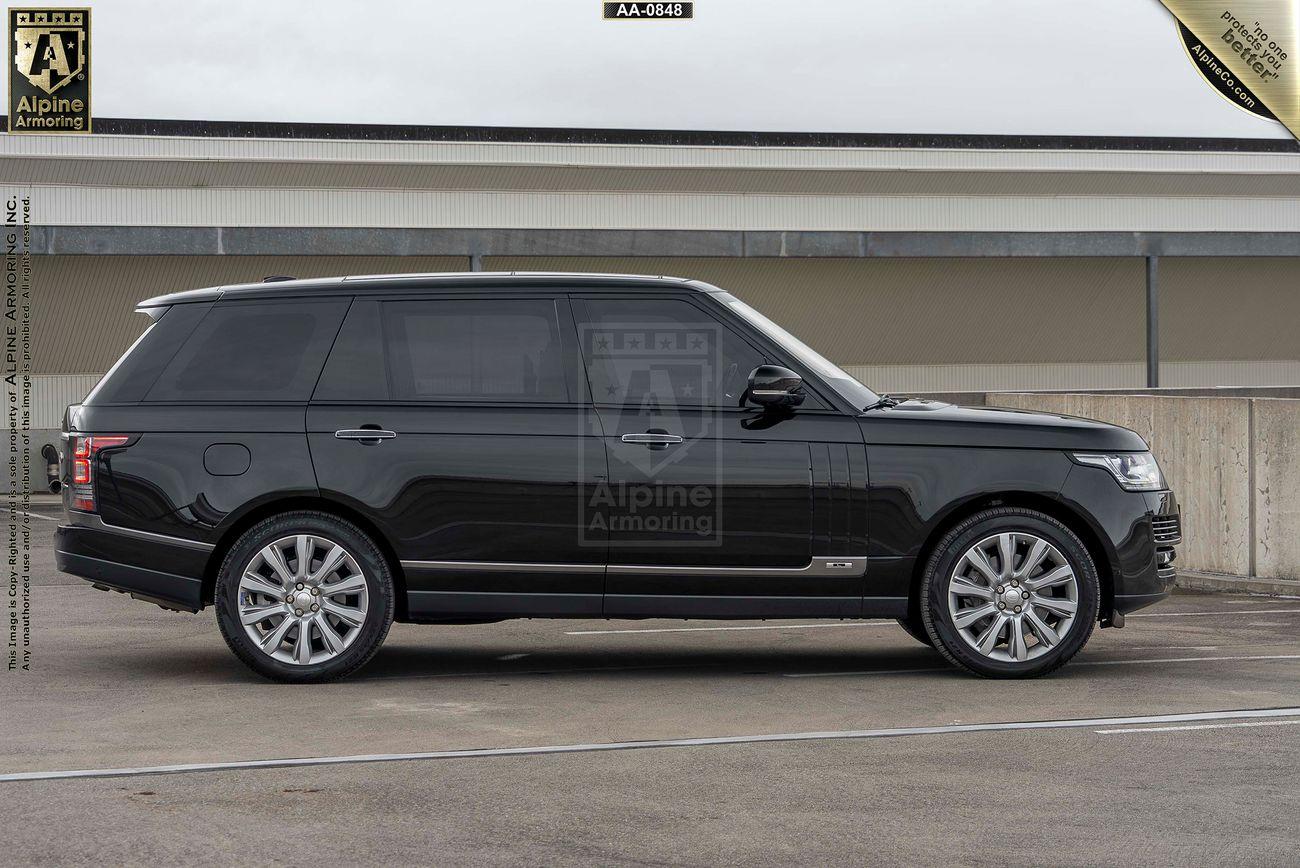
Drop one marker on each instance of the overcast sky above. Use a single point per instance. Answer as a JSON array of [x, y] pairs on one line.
[[1110, 67]]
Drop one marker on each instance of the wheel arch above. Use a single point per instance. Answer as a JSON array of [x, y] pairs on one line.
[[1105, 559], [316, 504]]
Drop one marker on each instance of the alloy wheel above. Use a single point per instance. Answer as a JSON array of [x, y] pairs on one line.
[[303, 599], [1013, 597]]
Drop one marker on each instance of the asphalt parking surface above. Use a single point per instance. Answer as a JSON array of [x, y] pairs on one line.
[[122, 685]]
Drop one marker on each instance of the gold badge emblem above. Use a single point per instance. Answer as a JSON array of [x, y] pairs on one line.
[[1247, 50], [49, 81], [50, 47]]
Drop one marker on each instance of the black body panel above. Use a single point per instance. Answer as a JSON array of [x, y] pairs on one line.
[[476, 485], [151, 569], [160, 484], [515, 506], [915, 489], [1122, 520], [932, 423]]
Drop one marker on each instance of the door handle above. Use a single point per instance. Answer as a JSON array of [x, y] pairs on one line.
[[651, 439], [369, 436]]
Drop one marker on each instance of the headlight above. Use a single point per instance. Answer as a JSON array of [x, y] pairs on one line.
[[1135, 471]]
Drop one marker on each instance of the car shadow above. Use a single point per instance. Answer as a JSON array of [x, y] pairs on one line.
[[508, 661], [504, 662]]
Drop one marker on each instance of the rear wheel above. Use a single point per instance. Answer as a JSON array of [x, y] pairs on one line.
[[304, 596], [1010, 593]]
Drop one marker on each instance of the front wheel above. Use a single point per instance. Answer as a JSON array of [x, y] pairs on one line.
[[304, 597], [1010, 593]]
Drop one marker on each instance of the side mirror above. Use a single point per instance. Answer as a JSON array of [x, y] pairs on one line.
[[773, 386]]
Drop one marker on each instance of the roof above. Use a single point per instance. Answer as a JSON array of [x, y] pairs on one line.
[[723, 138], [424, 282]]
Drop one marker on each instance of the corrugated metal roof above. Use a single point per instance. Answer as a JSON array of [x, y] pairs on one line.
[[195, 128], [640, 156], [131, 206], [118, 180]]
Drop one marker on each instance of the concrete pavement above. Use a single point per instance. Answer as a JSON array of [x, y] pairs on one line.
[[120, 683]]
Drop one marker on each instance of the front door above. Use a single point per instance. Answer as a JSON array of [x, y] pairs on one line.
[[713, 508], [460, 427]]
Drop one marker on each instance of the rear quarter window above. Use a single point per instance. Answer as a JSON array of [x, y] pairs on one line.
[[252, 352]]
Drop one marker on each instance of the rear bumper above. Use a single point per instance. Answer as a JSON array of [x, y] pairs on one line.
[[115, 560], [1125, 603]]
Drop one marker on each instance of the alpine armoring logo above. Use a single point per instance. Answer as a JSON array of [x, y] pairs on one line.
[[49, 79]]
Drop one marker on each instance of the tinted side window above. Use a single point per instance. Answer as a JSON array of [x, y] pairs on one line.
[[253, 351], [487, 350], [644, 352], [130, 378], [355, 370]]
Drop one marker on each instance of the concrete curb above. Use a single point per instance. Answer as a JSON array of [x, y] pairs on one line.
[[1193, 581]]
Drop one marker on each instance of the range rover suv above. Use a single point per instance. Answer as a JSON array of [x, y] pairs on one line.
[[318, 458]]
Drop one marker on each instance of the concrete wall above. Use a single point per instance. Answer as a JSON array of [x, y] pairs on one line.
[[1234, 463], [1276, 456]]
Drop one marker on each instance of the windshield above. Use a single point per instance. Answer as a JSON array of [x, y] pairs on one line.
[[836, 377]]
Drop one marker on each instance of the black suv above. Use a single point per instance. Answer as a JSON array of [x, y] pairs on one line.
[[319, 458]]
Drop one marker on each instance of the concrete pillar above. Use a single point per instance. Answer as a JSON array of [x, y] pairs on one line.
[[1153, 323]]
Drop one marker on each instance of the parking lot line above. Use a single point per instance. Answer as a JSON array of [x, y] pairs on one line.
[[1197, 726], [1186, 659], [1134, 662], [878, 622], [30, 514], [1292, 610], [892, 732]]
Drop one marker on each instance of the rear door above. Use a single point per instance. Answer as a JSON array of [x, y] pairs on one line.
[[460, 425]]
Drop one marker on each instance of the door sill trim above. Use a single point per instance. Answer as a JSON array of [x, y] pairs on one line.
[[849, 567], [502, 567]]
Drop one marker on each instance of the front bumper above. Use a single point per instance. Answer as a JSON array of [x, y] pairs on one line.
[[1139, 531], [115, 559], [1149, 553]]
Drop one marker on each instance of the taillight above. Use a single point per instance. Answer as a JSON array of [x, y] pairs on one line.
[[81, 494]]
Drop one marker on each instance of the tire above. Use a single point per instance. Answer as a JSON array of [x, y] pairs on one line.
[[343, 630], [915, 628], [1052, 603]]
